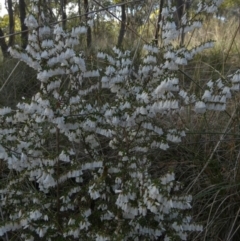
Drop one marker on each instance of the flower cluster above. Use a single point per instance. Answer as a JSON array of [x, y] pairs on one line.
[[79, 151], [215, 96]]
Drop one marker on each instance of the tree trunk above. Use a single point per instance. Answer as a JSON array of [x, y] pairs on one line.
[[123, 26], [158, 21], [11, 23], [79, 11], [3, 44], [180, 4], [182, 7], [63, 13], [24, 34], [89, 31]]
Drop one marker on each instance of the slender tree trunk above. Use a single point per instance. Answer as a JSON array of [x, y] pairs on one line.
[[79, 10], [123, 26], [3, 44], [158, 21], [63, 13], [11, 23], [24, 34], [182, 7], [180, 4], [89, 31]]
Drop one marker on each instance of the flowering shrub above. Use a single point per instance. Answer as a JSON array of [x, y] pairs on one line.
[[79, 151]]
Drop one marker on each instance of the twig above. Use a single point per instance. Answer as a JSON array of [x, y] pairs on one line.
[[235, 34], [190, 78], [9, 76]]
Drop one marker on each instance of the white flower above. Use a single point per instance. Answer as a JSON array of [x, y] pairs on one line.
[[48, 181], [35, 215], [31, 22], [150, 48], [181, 61], [43, 76], [236, 87], [236, 77], [162, 88], [101, 55], [223, 99], [44, 54], [208, 45], [5, 110], [80, 62], [173, 138], [170, 26], [215, 98], [171, 65], [169, 55], [150, 59], [210, 83], [79, 30], [165, 12], [207, 95], [69, 53], [48, 112], [94, 194], [58, 30], [211, 9], [200, 107], [63, 157], [45, 30], [146, 69], [110, 70], [197, 24], [90, 22], [164, 146], [226, 91]]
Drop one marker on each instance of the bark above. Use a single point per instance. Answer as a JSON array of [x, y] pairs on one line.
[[159, 20], [11, 23], [123, 26], [3, 44], [89, 31], [24, 29], [79, 10], [182, 6], [63, 13]]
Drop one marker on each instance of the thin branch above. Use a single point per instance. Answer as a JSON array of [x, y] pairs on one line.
[[234, 37], [181, 71], [9, 76]]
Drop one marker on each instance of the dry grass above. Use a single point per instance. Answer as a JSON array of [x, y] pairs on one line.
[[207, 162]]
